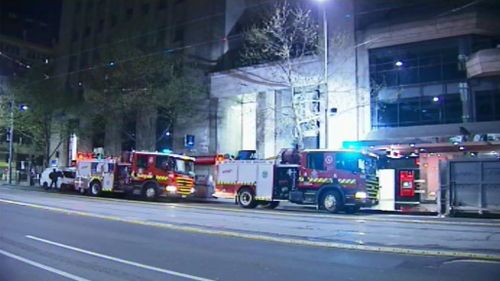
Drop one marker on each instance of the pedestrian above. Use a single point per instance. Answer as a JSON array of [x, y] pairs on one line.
[[32, 176], [53, 178]]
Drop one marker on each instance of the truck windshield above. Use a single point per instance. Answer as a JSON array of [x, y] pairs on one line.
[[347, 161], [355, 162], [177, 165], [368, 165], [184, 167]]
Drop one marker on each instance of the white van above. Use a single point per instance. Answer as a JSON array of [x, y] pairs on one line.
[[66, 178]]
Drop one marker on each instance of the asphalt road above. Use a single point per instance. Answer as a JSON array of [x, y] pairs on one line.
[[38, 244], [465, 238]]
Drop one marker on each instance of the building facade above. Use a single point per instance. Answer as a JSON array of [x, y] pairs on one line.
[[27, 39], [417, 77]]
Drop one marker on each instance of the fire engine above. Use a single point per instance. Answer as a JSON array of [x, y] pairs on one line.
[[149, 174], [204, 171], [331, 180]]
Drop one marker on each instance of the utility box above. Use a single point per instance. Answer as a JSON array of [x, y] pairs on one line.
[[474, 186]]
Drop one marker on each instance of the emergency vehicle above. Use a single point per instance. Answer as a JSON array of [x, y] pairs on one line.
[[149, 174], [331, 180]]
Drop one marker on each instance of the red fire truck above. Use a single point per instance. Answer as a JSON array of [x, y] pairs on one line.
[[149, 174], [331, 180], [204, 168]]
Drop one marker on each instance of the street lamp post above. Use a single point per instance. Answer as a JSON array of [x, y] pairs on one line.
[[325, 66], [11, 140]]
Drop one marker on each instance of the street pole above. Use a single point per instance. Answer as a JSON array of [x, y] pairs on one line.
[[11, 140], [325, 72]]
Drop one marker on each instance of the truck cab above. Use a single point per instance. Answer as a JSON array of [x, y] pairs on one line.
[[335, 179], [156, 174]]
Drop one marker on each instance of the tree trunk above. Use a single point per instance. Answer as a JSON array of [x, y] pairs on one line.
[[113, 135], [145, 128]]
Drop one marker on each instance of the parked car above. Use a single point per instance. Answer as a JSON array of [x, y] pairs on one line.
[[66, 178]]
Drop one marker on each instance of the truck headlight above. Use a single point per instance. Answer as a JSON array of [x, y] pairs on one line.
[[360, 195], [171, 188], [192, 190]]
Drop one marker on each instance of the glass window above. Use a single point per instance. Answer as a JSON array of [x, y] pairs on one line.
[[87, 31], [348, 161], [487, 105], [129, 13], [145, 8], [452, 70], [430, 72], [74, 36], [452, 108], [162, 5], [409, 111], [315, 161], [408, 75], [484, 110], [425, 67], [496, 104], [78, 6], [69, 174], [387, 114], [162, 162], [178, 34], [100, 25], [431, 110], [113, 20], [142, 161]]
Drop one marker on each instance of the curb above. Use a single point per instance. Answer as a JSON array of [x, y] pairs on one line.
[[277, 213], [301, 242]]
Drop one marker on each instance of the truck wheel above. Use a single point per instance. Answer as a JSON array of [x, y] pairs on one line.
[[351, 209], [95, 188], [271, 205], [150, 192], [330, 200], [246, 198]]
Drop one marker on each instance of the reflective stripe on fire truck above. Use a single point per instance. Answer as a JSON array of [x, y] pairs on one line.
[[347, 181], [161, 178], [328, 180], [143, 176], [94, 178], [235, 183]]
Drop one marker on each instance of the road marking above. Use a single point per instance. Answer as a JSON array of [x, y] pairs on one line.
[[295, 214], [140, 265], [269, 238], [471, 261], [44, 267]]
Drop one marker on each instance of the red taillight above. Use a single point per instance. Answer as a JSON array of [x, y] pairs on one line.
[[219, 158]]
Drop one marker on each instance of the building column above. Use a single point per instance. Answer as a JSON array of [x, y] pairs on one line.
[[58, 148], [342, 84], [266, 124]]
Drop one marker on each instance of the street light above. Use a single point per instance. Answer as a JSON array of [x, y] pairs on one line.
[[11, 140], [325, 66], [22, 107]]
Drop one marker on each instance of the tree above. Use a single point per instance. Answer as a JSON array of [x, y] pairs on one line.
[[140, 85], [47, 108], [287, 37]]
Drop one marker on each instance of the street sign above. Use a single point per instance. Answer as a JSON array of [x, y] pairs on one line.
[[189, 141]]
